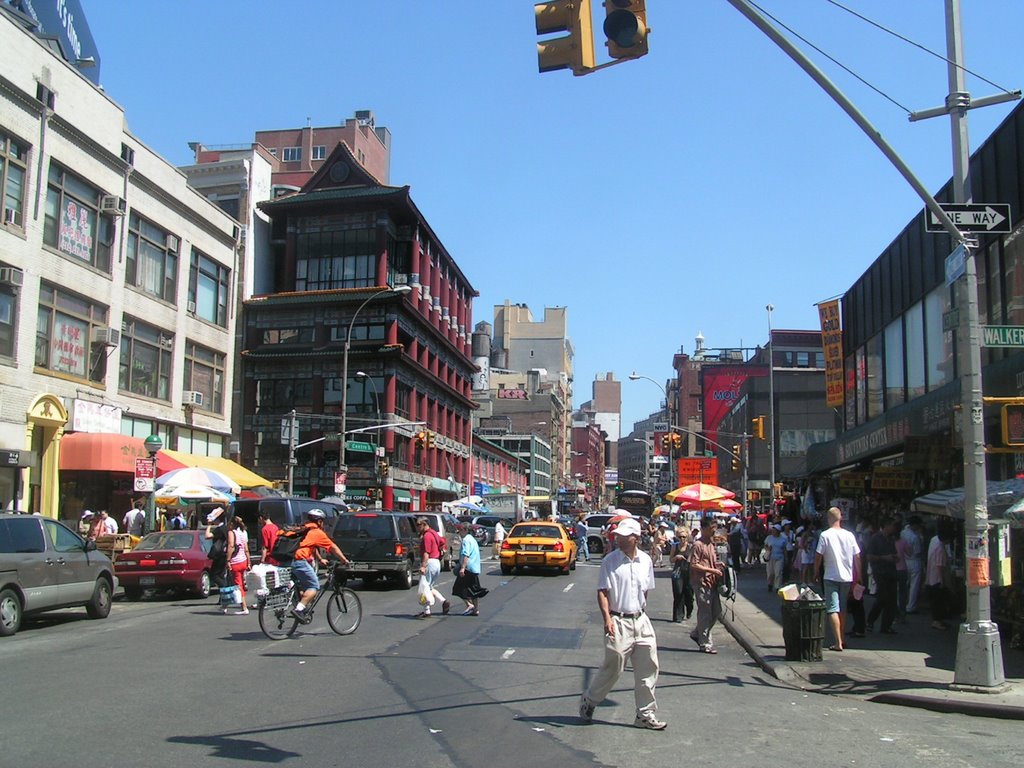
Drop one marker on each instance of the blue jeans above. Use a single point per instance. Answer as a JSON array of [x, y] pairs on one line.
[[304, 575], [582, 549]]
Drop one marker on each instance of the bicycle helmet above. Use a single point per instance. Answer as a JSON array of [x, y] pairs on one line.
[[316, 514]]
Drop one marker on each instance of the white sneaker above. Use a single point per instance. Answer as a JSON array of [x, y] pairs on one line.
[[586, 710], [648, 720]]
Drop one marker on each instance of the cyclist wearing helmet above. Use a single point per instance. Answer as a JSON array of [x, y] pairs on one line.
[[313, 540]]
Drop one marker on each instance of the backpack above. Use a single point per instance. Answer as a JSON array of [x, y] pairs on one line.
[[729, 583], [288, 542]]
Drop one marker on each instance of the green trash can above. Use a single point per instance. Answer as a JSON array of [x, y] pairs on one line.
[[803, 629]]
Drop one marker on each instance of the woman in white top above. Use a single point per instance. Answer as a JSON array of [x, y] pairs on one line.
[[238, 558]]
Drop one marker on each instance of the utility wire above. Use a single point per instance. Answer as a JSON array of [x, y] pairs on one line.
[[916, 45], [839, 64]]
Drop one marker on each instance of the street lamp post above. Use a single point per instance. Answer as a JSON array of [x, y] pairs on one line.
[[153, 444], [668, 414], [400, 290], [771, 407]]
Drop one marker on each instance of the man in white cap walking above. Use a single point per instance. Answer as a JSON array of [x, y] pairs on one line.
[[627, 575]]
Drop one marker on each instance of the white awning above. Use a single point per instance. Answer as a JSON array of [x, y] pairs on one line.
[[1001, 494]]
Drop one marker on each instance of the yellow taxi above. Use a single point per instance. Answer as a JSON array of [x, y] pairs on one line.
[[538, 544]]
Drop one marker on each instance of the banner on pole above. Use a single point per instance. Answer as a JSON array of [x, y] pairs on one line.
[[832, 345]]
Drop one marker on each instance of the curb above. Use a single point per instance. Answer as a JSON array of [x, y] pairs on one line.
[[781, 672]]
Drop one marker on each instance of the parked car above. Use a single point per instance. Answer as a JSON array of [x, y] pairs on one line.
[[44, 565], [171, 560], [379, 544], [283, 511], [596, 522], [445, 524], [538, 544]]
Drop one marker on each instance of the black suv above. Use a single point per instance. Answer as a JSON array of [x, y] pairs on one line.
[[379, 544]]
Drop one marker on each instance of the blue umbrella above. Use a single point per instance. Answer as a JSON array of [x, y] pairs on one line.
[[471, 507]]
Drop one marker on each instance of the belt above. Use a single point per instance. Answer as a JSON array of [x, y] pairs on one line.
[[622, 615]]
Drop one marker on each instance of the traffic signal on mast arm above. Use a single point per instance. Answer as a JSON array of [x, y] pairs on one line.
[[666, 441], [430, 439], [677, 440], [735, 458], [758, 424], [625, 26], [421, 438], [574, 51]]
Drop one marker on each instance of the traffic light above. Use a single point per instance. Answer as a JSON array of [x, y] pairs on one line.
[[1012, 420], [371, 493], [735, 458], [421, 438], [625, 26], [759, 427], [383, 467], [574, 51], [430, 439], [666, 441], [677, 440]]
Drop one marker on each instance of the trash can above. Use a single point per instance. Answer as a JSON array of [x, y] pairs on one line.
[[803, 629]]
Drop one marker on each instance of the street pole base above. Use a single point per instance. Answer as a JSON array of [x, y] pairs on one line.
[[979, 659]]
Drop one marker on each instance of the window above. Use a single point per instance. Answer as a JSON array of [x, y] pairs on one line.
[[320, 152], [21, 536], [361, 331], [204, 372], [913, 321], [894, 379], [145, 360], [363, 395], [874, 375], [328, 259], [13, 164], [152, 264], [66, 327], [795, 442], [284, 394], [8, 316], [292, 154], [941, 359], [61, 538], [72, 222], [273, 151], [287, 336], [208, 285]]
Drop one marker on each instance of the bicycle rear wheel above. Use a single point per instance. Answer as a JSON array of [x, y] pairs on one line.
[[344, 611], [276, 620]]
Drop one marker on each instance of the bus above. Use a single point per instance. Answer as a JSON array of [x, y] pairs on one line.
[[637, 503]]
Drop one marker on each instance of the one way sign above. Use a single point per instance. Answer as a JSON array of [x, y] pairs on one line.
[[973, 217]]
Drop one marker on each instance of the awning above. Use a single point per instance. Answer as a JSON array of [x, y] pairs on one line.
[[441, 484], [244, 477], [1001, 494], [108, 452], [102, 452], [402, 495]]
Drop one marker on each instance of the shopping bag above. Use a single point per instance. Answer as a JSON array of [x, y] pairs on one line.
[[425, 594], [256, 578], [230, 595]]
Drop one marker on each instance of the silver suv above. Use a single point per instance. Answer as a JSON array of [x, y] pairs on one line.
[[44, 566], [444, 524]]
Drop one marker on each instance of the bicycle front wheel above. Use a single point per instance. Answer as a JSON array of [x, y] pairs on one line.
[[276, 621], [344, 611]]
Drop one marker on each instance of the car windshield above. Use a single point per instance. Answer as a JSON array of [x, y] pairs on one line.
[[166, 540], [537, 531]]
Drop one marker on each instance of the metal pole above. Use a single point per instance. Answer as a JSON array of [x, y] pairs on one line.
[[293, 438], [771, 407], [979, 660]]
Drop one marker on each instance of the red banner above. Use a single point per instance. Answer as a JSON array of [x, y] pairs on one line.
[[690, 471], [722, 384]]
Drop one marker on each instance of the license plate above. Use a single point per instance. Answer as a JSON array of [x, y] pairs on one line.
[[147, 581], [532, 547], [359, 567]]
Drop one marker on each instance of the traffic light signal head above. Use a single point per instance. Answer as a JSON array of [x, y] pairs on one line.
[[430, 439], [574, 51], [677, 440], [625, 26], [758, 427], [735, 458], [666, 441], [421, 438]]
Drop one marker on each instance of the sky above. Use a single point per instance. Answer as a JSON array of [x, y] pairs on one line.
[[672, 195]]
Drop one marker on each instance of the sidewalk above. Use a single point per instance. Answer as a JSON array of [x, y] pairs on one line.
[[913, 668]]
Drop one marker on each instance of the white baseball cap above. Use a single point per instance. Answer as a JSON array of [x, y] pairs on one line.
[[628, 527]]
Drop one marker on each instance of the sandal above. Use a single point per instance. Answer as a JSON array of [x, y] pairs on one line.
[[835, 648]]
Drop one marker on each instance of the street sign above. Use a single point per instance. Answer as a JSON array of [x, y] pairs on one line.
[[1002, 335], [340, 481], [956, 264], [972, 217], [145, 475]]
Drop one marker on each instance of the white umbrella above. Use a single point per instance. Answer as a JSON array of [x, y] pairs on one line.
[[183, 495]]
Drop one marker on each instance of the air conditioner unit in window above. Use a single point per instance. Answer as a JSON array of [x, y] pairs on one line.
[[191, 307], [172, 243], [192, 398], [113, 205], [12, 216], [108, 337], [12, 276]]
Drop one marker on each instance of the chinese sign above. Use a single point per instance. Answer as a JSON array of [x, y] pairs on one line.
[[76, 225], [68, 347], [832, 344]]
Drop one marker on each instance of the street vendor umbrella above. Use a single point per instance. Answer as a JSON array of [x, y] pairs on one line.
[[191, 493], [698, 493], [468, 505], [210, 478]]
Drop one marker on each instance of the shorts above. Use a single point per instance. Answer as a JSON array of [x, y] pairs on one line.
[[304, 575], [835, 595]]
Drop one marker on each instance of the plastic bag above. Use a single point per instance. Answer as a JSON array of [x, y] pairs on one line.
[[425, 594], [230, 595]]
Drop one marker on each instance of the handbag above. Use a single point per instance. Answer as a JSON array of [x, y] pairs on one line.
[[476, 591], [230, 595]]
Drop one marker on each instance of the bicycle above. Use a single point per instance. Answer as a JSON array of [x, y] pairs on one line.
[[344, 608]]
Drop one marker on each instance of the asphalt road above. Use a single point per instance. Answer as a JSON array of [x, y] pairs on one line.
[[167, 682]]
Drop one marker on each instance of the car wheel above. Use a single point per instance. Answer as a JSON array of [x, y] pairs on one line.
[[572, 564], [99, 606], [203, 587], [404, 579], [132, 593], [10, 612], [506, 570]]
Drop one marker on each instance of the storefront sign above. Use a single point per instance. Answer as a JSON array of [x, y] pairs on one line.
[[76, 233], [832, 345], [88, 416], [68, 346], [891, 479], [853, 481]]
